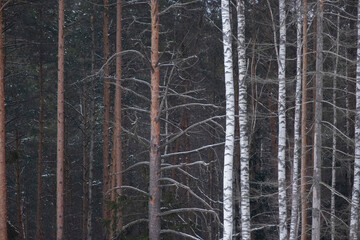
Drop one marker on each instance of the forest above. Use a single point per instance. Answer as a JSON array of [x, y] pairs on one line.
[[179, 119]]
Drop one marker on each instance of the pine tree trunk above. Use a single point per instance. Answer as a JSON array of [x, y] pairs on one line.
[[316, 208], [354, 219], [18, 188], [60, 129], [304, 127], [243, 126], [85, 161], [282, 123], [154, 188], [297, 137], [41, 127], [117, 114], [105, 148], [333, 164]]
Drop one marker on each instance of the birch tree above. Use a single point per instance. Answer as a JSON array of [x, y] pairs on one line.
[[297, 138], [282, 123], [230, 121], [60, 129], [316, 225], [243, 122], [354, 218]]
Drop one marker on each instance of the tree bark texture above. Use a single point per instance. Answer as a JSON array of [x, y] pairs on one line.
[[303, 179], [354, 218], [155, 194], [60, 130], [243, 126], [316, 204], [297, 137], [282, 123]]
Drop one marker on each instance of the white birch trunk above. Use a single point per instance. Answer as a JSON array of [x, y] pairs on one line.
[[243, 123], [297, 138], [282, 123], [230, 121], [354, 219], [316, 204], [333, 164]]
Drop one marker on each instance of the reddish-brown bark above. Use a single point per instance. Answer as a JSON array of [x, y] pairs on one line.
[[117, 112], [154, 202], [60, 130]]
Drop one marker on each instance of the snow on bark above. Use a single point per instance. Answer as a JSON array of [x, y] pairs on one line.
[[243, 122], [282, 123], [230, 121], [354, 219], [297, 138]]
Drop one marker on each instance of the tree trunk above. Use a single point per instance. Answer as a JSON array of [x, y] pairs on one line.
[[41, 129], [297, 137], [154, 165], [243, 126], [3, 214], [85, 161], [282, 123], [333, 164], [60, 130], [354, 219], [18, 188], [230, 121], [304, 126], [117, 115], [92, 132], [105, 148], [316, 225]]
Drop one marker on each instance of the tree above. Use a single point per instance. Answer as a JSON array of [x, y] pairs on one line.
[[297, 137], [60, 129], [243, 122], [354, 218], [230, 122], [3, 214], [303, 179], [154, 165], [316, 225], [105, 149], [282, 123]]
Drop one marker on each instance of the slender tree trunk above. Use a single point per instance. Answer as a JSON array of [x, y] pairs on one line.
[[117, 114], [85, 161], [41, 129], [304, 126], [354, 219], [297, 137], [3, 214], [333, 164], [60, 130], [105, 156], [316, 225], [282, 123], [18, 188], [243, 126], [92, 132], [230, 122], [154, 188]]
